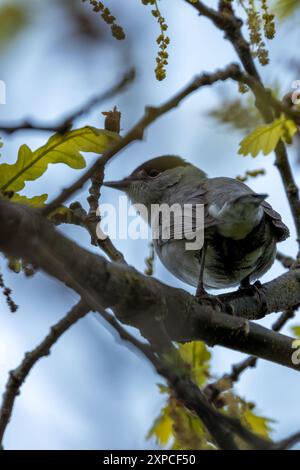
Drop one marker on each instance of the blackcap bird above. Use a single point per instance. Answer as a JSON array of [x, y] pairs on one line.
[[240, 228]]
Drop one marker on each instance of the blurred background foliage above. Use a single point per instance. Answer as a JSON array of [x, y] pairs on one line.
[[13, 19]]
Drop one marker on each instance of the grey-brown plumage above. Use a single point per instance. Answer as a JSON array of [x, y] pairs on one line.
[[241, 229]]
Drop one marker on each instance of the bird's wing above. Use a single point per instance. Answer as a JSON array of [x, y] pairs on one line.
[[190, 221], [281, 230], [222, 188]]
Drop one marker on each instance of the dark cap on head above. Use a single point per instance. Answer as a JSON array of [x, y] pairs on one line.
[[150, 168], [163, 163]]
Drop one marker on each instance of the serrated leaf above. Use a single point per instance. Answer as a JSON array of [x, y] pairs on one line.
[[197, 356], [289, 131], [258, 424], [36, 201], [60, 148], [162, 427], [179, 425], [265, 138]]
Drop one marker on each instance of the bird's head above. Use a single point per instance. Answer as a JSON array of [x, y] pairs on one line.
[[151, 181]]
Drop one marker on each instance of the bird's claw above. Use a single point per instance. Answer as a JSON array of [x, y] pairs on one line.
[[257, 289], [211, 300]]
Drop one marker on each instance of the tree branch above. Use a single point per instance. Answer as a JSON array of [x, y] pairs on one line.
[[213, 390], [222, 428], [18, 376], [137, 131], [77, 215], [187, 391], [226, 21], [141, 301], [286, 443], [93, 218], [66, 124], [286, 261]]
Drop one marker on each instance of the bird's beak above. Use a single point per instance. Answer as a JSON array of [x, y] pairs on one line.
[[122, 185]]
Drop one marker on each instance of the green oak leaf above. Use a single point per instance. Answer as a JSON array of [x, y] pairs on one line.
[[258, 424], [197, 356], [180, 427], [60, 148], [36, 201], [188, 430], [162, 427], [265, 138]]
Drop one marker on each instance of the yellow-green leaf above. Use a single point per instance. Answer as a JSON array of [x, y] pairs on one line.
[[162, 427], [265, 138], [60, 148], [180, 426], [36, 201], [188, 431], [289, 130], [258, 424], [197, 356]]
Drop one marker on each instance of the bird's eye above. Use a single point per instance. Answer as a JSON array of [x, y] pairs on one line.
[[153, 173]]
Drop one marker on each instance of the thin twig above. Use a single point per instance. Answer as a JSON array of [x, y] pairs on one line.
[[66, 124], [286, 443], [137, 132], [226, 21], [18, 376], [77, 215], [213, 390], [194, 399], [286, 261], [221, 428], [7, 292], [93, 218]]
